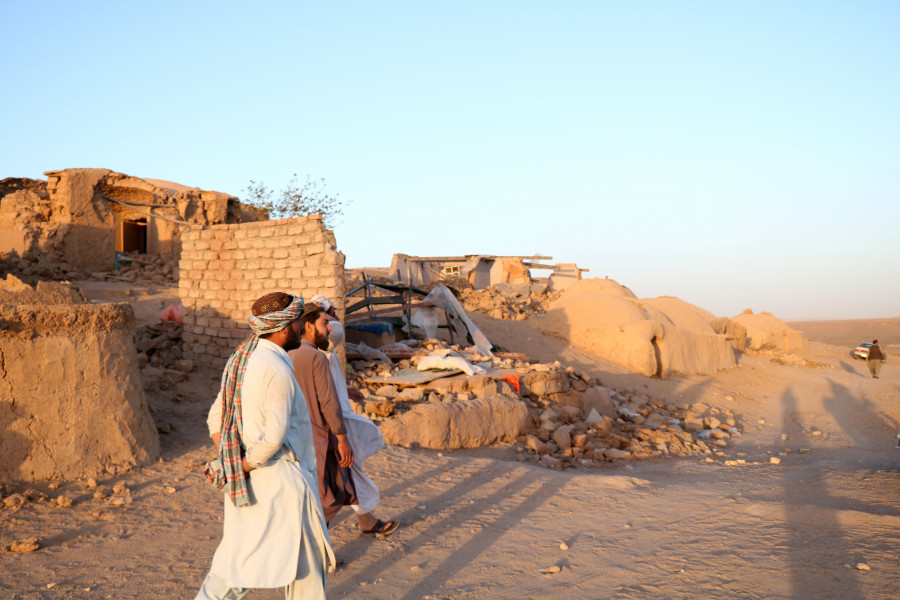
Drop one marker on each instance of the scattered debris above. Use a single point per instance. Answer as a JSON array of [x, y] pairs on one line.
[[781, 357], [160, 345], [551, 570], [142, 269], [23, 546], [573, 421], [507, 301]]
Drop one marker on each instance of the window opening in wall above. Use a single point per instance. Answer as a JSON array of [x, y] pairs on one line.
[[450, 270], [134, 236]]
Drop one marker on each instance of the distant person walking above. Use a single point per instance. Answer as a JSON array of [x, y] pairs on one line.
[[876, 357]]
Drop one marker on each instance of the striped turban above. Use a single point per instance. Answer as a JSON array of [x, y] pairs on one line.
[[226, 469]]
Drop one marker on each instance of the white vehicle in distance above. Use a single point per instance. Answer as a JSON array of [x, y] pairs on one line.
[[862, 351]]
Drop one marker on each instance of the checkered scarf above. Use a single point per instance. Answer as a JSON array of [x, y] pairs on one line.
[[226, 468]]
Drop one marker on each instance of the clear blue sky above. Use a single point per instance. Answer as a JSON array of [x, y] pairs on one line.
[[733, 154]]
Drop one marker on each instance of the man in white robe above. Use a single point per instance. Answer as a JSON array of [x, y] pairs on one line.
[[277, 537], [364, 436]]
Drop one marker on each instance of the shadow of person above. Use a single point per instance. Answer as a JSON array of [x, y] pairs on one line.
[[849, 368], [814, 539], [859, 418]]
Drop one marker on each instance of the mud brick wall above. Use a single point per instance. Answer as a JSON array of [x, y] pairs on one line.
[[71, 400], [224, 268]]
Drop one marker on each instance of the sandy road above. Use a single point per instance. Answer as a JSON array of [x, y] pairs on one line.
[[481, 524]]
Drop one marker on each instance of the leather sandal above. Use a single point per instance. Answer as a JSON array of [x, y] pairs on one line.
[[382, 528]]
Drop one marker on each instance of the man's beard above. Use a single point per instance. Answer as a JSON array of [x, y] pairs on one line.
[[293, 340], [321, 341]]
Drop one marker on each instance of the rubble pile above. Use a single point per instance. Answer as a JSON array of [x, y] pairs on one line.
[[573, 421], [43, 268], [14, 502], [508, 301], [143, 269], [160, 346], [638, 427], [780, 357]]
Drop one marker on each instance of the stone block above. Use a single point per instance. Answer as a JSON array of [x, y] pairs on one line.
[[598, 398], [543, 384], [471, 424]]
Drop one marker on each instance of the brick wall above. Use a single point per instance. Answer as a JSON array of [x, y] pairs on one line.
[[224, 268]]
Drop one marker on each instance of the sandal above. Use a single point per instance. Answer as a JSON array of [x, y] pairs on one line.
[[382, 528], [337, 564]]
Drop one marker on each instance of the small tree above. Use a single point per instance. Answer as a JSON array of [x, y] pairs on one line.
[[297, 200]]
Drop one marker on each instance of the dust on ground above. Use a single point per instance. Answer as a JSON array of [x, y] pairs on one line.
[[822, 522]]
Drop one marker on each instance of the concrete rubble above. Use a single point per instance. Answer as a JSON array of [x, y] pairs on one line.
[[555, 416], [508, 301]]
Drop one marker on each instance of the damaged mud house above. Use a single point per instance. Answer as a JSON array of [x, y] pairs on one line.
[[71, 394]]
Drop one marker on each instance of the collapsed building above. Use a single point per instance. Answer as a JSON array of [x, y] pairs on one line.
[[482, 271], [85, 218], [71, 400]]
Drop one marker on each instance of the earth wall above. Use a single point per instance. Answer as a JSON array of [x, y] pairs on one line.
[[71, 400]]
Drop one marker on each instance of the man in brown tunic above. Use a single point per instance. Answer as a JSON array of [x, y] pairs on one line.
[[333, 453], [875, 358]]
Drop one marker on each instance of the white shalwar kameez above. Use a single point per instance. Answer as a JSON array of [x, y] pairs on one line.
[[280, 539], [364, 436]]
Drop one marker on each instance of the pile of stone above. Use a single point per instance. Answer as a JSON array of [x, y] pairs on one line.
[[32, 271], [160, 346], [567, 419], [508, 301], [144, 269], [780, 357], [619, 424]]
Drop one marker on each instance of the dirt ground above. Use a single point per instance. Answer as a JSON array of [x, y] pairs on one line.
[[482, 524]]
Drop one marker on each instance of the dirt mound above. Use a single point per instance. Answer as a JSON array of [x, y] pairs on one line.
[[767, 330], [15, 291], [599, 286], [656, 336], [71, 399]]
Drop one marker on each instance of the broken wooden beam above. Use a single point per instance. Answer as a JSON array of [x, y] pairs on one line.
[[386, 311]]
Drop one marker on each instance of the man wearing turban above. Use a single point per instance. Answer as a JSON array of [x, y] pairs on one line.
[[274, 531], [364, 436]]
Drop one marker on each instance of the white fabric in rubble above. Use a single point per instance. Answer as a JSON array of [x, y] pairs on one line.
[[426, 319], [367, 352], [434, 361], [443, 298], [400, 346]]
